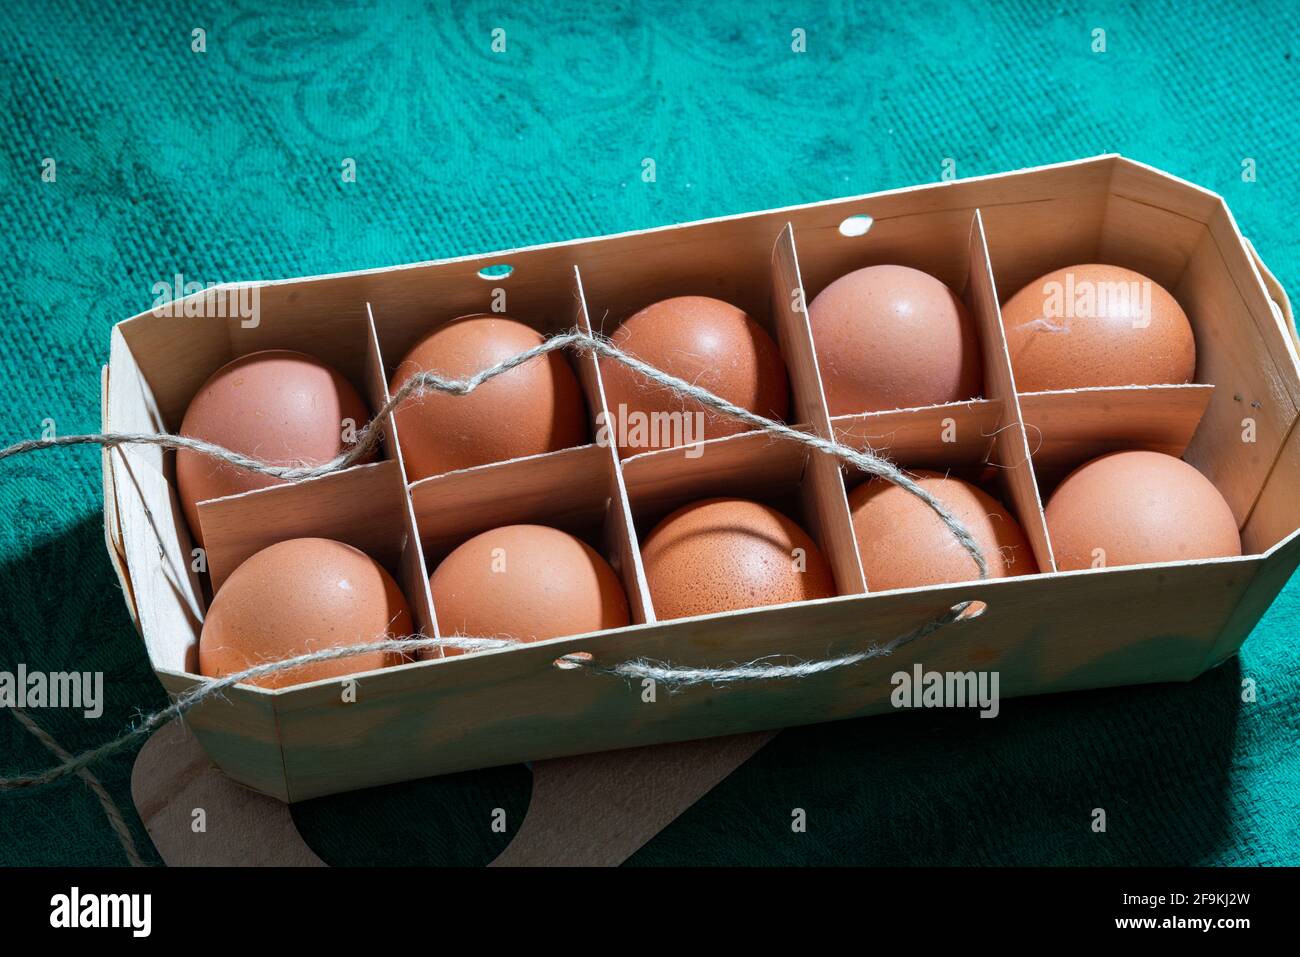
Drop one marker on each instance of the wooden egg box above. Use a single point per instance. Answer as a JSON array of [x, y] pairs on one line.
[[984, 237]]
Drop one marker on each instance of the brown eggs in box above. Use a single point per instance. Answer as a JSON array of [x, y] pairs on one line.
[[984, 238]]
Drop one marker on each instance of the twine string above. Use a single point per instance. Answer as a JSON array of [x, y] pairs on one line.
[[111, 811], [368, 436]]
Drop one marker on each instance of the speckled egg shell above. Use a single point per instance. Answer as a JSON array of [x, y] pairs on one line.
[[904, 544], [526, 582], [299, 596], [893, 337], [721, 554], [535, 408], [707, 342], [1135, 508], [281, 406], [1059, 340]]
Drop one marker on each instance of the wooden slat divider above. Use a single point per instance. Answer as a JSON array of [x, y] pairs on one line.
[[822, 494], [1011, 449]]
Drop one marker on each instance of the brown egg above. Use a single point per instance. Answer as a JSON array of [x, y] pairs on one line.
[[280, 406], [527, 582], [1094, 325], [892, 337], [721, 554], [300, 596], [531, 409], [904, 544], [1134, 508], [707, 342]]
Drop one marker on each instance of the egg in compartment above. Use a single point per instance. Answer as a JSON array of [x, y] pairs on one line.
[[300, 596], [723, 554], [1135, 508], [893, 337], [534, 408], [1094, 325], [706, 342], [527, 583], [904, 543], [284, 407]]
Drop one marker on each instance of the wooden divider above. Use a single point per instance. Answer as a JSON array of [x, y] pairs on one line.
[[361, 506], [415, 572], [932, 436], [965, 434], [824, 500], [748, 465], [1011, 450], [621, 544], [1069, 427], [778, 473]]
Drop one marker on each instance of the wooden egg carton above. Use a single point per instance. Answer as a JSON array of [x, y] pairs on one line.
[[985, 237]]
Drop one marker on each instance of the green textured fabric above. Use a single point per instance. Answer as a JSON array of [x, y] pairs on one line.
[[225, 165]]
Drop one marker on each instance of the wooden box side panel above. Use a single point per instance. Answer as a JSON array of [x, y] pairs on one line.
[[1076, 630], [156, 544], [1254, 405], [239, 732]]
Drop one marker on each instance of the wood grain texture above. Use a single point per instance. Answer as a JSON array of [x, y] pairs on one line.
[[156, 541], [620, 538], [1251, 390], [1067, 428], [934, 436], [362, 506], [1042, 633], [567, 489]]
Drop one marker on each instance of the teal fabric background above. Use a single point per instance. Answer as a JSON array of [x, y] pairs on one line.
[[224, 165]]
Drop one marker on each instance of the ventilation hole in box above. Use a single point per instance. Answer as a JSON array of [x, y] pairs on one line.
[[856, 225], [973, 609], [575, 659], [496, 271]]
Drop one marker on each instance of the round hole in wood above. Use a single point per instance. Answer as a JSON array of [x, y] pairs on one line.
[[496, 271], [574, 659], [973, 609], [856, 225]]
